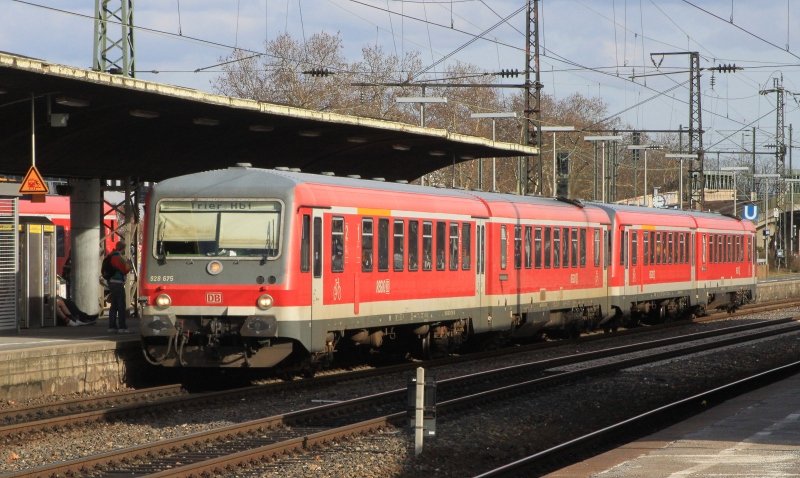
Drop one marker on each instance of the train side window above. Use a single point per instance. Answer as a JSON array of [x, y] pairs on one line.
[[670, 248], [547, 247], [565, 247], [413, 245], [720, 248], [427, 246], [634, 247], [596, 247], [517, 247], [503, 247], [682, 248], [583, 247], [646, 247], [317, 247], [441, 245], [657, 249], [623, 242], [574, 251], [528, 240], [556, 247], [606, 249], [703, 248], [730, 248], [337, 244], [383, 245], [366, 244], [466, 246], [305, 244], [537, 248], [453, 246], [399, 238]]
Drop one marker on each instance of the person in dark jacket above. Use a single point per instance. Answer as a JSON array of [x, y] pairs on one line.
[[118, 311]]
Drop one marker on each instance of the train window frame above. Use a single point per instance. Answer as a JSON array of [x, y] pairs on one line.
[[528, 247], [623, 248], [703, 245], [305, 243], [646, 248], [453, 246], [682, 247], [517, 247], [427, 245], [503, 247], [573, 253], [596, 247], [383, 244], [398, 240], [583, 247], [556, 247], [634, 247], [670, 248], [537, 248], [466, 246], [413, 245], [441, 245], [606, 248], [337, 244], [367, 244], [565, 247], [548, 247]]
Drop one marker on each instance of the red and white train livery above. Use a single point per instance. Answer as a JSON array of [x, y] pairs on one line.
[[247, 267]]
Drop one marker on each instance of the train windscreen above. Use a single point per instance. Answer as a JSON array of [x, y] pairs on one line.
[[217, 228]]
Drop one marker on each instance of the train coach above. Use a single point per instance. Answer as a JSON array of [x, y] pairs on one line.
[[247, 267]]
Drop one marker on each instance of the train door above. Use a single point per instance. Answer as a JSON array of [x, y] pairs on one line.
[[480, 269], [317, 264], [633, 266]]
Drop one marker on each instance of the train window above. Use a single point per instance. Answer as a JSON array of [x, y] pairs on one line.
[[730, 248], [646, 247], [720, 248], [481, 248], [528, 246], [60, 242], [547, 247], [413, 245], [517, 247], [366, 244], [556, 247], [606, 249], [399, 238], [574, 252], [466, 246], [305, 244], [453, 246], [383, 245], [623, 242], [583, 247], [337, 244], [596, 247], [682, 247], [537, 248], [240, 228], [739, 251], [427, 246], [703, 248], [656, 254], [317, 247], [634, 247], [503, 246], [670, 248], [441, 245], [565, 247]]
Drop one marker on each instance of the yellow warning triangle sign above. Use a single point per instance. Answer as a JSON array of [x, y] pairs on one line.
[[33, 183]]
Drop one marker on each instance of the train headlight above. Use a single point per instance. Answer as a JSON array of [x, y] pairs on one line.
[[163, 301], [214, 267], [264, 301]]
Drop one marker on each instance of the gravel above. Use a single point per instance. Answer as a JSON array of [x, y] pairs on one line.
[[467, 444]]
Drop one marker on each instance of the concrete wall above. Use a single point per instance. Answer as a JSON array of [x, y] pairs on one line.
[[769, 291]]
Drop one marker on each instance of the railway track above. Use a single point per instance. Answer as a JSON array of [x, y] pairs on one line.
[[269, 438], [595, 442]]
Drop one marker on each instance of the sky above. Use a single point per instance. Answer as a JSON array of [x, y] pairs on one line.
[[596, 48]]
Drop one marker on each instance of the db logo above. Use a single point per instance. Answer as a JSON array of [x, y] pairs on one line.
[[214, 297]]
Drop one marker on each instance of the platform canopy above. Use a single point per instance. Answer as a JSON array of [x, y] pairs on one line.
[[98, 125]]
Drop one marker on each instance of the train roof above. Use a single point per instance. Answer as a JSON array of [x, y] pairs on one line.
[[323, 189], [674, 217]]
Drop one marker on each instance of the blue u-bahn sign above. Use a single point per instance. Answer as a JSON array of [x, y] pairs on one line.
[[750, 212]]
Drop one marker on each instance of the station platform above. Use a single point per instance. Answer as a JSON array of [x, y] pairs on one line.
[[65, 360], [754, 435]]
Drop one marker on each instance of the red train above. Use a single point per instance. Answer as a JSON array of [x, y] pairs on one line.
[[248, 267]]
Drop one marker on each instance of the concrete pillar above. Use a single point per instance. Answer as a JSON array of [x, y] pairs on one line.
[[86, 213]]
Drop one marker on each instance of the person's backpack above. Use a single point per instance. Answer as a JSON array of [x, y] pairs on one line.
[[106, 269]]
